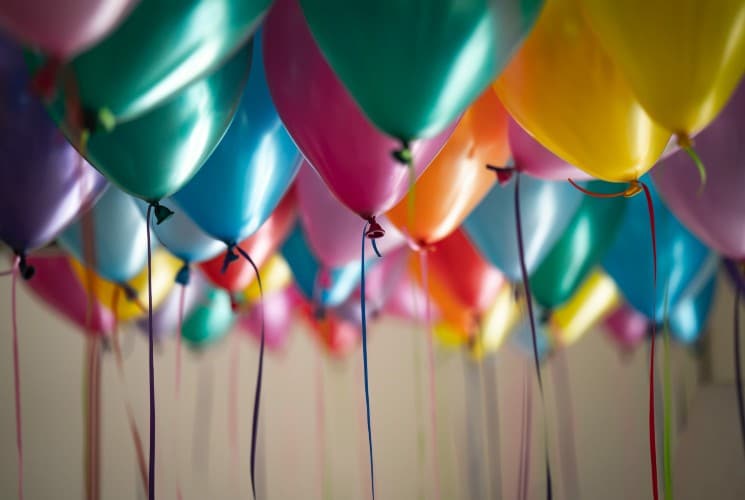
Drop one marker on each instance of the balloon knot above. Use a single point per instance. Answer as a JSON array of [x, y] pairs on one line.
[[686, 144], [374, 229], [545, 316], [235, 305], [319, 313], [27, 270], [162, 213], [129, 292], [43, 82], [404, 155], [230, 256], [517, 292], [183, 275], [504, 174]]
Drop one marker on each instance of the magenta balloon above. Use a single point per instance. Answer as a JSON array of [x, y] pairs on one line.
[[716, 214], [351, 155], [61, 28], [278, 316], [531, 157], [332, 230], [56, 284], [627, 326]]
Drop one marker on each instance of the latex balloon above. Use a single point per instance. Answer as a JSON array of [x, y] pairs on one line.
[[332, 230], [164, 269], [529, 156], [156, 154], [62, 29], [449, 336], [546, 208], [326, 287], [161, 47], [251, 169], [275, 277], [56, 284], [588, 236], [682, 62], [497, 324], [595, 298], [688, 320], [408, 302], [457, 179], [351, 155], [260, 246], [337, 337], [565, 90], [210, 321], [712, 211], [44, 183], [522, 337], [404, 64], [629, 261], [278, 310], [627, 326], [167, 317]]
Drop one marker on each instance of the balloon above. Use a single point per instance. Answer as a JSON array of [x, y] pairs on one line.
[[522, 337], [529, 156], [680, 257], [164, 269], [458, 316], [336, 336], [457, 179], [44, 183], [688, 320], [119, 237], [62, 29], [332, 230], [56, 284], [162, 47], [251, 169], [565, 90], [351, 155], [210, 321], [627, 326], [595, 298], [260, 246], [583, 244], [683, 61], [408, 302], [712, 211], [156, 154], [327, 287], [497, 324], [275, 277], [546, 208], [449, 336], [414, 67], [278, 308]]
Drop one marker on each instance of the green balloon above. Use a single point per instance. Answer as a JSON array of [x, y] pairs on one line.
[[161, 47], [414, 66], [586, 239], [210, 321], [153, 156]]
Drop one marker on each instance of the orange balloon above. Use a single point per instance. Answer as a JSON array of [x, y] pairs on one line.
[[457, 179]]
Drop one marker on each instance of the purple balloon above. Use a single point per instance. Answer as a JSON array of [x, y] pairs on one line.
[[44, 183], [278, 308], [716, 214]]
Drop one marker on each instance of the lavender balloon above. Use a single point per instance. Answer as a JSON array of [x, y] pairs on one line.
[[44, 183]]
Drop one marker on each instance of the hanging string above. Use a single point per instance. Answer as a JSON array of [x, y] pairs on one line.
[[686, 144], [738, 365], [17, 375], [233, 404], [667, 465], [431, 369], [418, 400], [525, 437], [181, 305], [87, 439], [200, 439], [151, 361], [567, 440], [365, 235], [92, 386], [321, 426], [485, 448], [361, 427]]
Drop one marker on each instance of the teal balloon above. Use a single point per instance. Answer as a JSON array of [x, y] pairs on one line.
[[522, 336], [688, 320], [249, 172], [160, 48], [680, 258], [154, 155], [119, 237], [414, 66], [210, 320], [546, 208]]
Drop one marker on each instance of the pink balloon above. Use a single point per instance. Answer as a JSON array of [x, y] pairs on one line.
[[351, 155], [627, 326], [56, 284], [532, 158], [62, 28], [332, 230], [716, 214], [278, 315]]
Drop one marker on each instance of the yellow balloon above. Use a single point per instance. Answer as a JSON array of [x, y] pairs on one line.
[[275, 276], [496, 324], [683, 59], [565, 90], [596, 297], [448, 335], [164, 270]]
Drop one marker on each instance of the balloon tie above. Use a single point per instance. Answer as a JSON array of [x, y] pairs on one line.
[[230, 257], [531, 318], [374, 229], [27, 271], [504, 174], [184, 275], [364, 359], [151, 361], [257, 394], [738, 365], [44, 80], [686, 144], [17, 374], [634, 188], [162, 213]]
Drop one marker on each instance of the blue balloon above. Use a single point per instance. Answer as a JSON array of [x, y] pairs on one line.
[[340, 282], [522, 337], [546, 208], [680, 257], [119, 237], [239, 186], [689, 317]]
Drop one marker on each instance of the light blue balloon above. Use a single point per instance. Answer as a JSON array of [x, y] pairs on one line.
[[210, 320], [680, 257], [239, 186], [522, 337], [119, 236], [181, 235], [688, 319], [306, 269], [546, 208]]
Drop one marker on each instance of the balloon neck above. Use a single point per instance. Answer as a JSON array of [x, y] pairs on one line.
[[403, 155], [235, 304], [161, 212], [129, 292], [44, 81], [684, 140], [545, 316], [230, 257], [27, 271], [183, 275], [374, 229], [504, 174]]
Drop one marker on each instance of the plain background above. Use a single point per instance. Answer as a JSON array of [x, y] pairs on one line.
[[313, 443]]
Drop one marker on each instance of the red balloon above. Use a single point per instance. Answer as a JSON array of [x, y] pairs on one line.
[[260, 246]]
